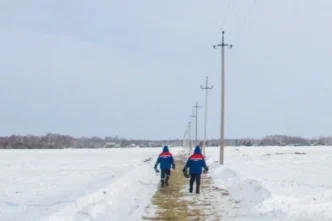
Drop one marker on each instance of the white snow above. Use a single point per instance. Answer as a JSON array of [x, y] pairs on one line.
[[70, 184], [116, 184], [270, 186]]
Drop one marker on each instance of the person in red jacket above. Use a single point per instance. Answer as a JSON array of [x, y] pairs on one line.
[[166, 161], [195, 163]]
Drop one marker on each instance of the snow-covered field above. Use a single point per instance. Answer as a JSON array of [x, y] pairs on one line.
[[274, 183], [85, 184], [267, 183]]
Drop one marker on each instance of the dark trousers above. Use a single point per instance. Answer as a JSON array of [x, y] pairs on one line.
[[195, 178], [165, 174]]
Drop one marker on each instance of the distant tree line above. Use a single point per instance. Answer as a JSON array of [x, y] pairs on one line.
[[58, 141], [49, 141], [275, 140], [284, 140]]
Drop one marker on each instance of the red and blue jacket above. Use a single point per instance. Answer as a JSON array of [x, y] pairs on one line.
[[165, 160], [196, 162]]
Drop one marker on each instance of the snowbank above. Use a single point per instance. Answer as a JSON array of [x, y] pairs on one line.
[[124, 199], [85, 184], [275, 183]]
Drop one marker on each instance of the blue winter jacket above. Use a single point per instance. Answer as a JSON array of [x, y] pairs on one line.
[[196, 162], [165, 159]]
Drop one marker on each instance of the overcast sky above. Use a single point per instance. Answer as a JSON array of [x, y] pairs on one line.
[[134, 68]]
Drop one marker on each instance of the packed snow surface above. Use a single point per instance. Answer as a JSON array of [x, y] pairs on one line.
[[264, 183], [76, 184], [275, 183]]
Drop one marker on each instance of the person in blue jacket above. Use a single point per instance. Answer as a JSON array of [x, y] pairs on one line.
[[166, 161], [195, 163]]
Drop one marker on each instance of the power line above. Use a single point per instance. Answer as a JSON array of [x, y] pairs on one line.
[[244, 21], [249, 12], [226, 12], [225, 15]]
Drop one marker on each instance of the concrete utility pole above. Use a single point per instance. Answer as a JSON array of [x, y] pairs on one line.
[[193, 116], [222, 119], [206, 88], [196, 125], [189, 126], [188, 136], [184, 144]]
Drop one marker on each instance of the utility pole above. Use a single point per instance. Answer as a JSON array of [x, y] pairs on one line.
[[196, 126], [222, 119], [193, 116], [184, 143], [188, 136], [206, 88], [189, 126]]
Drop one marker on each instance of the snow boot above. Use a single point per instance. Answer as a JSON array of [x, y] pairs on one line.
[[190, 189], [166, 180], [162, 183]]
